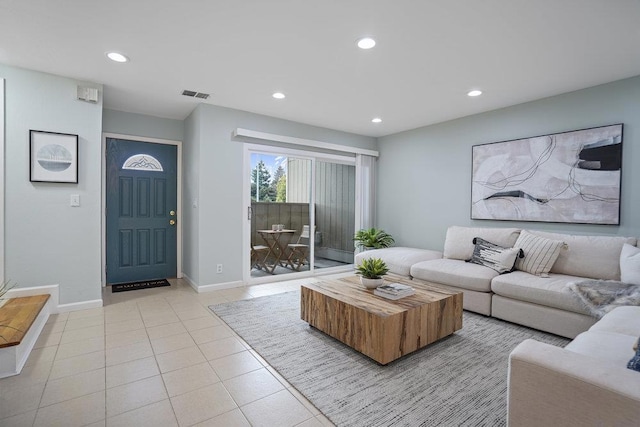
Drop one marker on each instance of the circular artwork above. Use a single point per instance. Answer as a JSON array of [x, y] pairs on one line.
[[54, 158]]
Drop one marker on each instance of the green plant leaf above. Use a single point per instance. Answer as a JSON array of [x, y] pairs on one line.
[[372, 268], [373, 238]]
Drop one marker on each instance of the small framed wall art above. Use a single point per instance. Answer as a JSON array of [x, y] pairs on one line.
[[53, 157]]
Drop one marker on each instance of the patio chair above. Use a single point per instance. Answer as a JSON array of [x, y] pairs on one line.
[[299, 252], [259, 255]]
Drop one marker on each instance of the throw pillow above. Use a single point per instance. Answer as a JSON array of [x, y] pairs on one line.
[[634, 363], [539, 253], [493, 256], [630, 264]]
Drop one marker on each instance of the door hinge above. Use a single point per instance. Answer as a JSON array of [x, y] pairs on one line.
[[249, 212]]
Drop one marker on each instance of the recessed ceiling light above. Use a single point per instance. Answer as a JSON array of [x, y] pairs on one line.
[[376, 120], [366, 43], [117, 57], [278, 95], [474, 93]]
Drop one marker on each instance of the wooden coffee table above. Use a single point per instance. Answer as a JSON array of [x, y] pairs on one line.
[[380, 328]]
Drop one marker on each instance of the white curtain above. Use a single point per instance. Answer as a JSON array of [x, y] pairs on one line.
[[365, 191]]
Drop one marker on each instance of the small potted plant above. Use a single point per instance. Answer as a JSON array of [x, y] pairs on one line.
[[372, 238], [371, 271]]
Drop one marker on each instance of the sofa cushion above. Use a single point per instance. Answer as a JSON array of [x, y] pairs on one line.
[[547, 291], [398, 259], [596, 257], [540, 253], [459, 274], [621, 320], [630, 264], [458, 243], [607, 346], [493, 256]]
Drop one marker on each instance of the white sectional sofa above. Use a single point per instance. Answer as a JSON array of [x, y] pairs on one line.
[[587, 383], [540, 302]]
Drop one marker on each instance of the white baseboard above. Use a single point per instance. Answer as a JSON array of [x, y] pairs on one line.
[[54, 291], [190, 282], [212, 287], [219, 286], [83, 305]]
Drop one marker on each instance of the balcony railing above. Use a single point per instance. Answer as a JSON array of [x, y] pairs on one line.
[[334, 228]]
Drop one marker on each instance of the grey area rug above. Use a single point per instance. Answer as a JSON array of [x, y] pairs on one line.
[[459, 380]]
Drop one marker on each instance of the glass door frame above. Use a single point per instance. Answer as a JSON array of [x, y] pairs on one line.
[[314, 157]]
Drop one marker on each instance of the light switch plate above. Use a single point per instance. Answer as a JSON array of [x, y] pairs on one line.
[[75, 200]]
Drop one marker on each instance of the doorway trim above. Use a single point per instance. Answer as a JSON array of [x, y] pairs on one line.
[[103, 207]]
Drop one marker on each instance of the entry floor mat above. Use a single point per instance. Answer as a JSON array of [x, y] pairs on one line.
[[145, 284]]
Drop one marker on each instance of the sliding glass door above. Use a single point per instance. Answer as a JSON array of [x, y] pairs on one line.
[[279, 214], [335, 202], [300, 211]]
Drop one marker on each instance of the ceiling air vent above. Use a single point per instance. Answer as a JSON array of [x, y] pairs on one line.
[[194, 94]]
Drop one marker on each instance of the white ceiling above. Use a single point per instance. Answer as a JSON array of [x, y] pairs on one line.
[[429, 54]]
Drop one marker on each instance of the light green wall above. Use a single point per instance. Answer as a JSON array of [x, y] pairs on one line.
[[424, 175], [221, 210], [47, 241], [133, 124], [423, 181]]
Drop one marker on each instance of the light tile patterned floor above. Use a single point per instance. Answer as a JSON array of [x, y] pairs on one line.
[[155, 357]]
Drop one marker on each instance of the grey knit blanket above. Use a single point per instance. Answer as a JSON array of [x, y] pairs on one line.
[[602, 296]]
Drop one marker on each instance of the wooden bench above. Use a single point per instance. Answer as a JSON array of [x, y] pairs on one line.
[[21, 321]]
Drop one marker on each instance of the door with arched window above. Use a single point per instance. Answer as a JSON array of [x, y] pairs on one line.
[[141, 207]]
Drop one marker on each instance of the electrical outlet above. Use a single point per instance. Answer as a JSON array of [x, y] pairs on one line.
[[219, 268]]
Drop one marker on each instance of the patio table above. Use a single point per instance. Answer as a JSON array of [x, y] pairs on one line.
[[277, 241]]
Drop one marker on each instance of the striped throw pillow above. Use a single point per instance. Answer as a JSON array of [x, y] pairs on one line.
[[539, 253]]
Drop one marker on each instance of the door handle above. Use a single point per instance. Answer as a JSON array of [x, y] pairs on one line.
[[172, 222], [172, 213]]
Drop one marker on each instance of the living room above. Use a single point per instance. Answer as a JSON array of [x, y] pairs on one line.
[[423, 181]]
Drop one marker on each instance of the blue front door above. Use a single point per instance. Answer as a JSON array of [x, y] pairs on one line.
[[141, 210]]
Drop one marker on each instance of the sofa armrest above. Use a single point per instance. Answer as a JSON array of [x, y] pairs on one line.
[[549, 385]]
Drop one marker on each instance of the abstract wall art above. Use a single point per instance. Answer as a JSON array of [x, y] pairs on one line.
[[569, 177], [53, 157]]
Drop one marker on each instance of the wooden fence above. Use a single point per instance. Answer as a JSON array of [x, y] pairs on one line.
[[334, 234]]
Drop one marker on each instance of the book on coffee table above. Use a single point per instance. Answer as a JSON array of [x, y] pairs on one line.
[[394, 291]]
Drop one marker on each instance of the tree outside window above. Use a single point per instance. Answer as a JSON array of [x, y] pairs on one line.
[[264, 187]]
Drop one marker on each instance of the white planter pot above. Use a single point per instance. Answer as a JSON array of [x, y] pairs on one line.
[[371, 283]]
